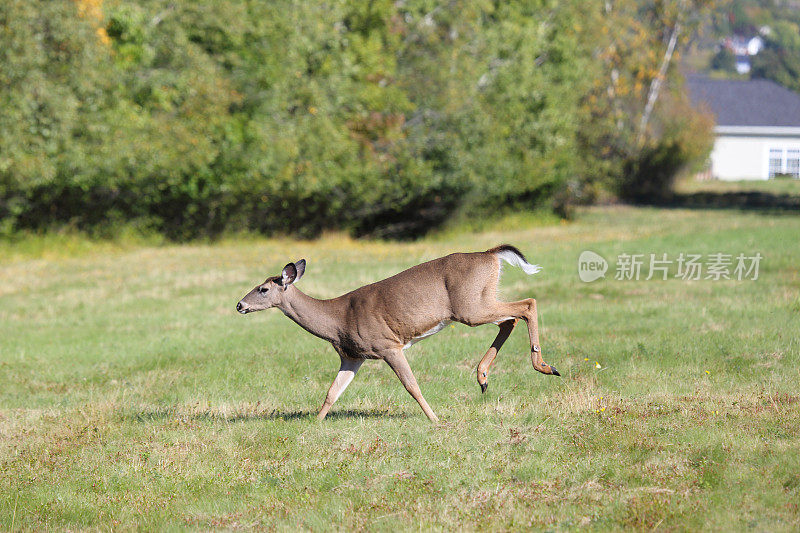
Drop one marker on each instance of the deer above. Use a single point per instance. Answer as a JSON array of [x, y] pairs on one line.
[[383, 319]]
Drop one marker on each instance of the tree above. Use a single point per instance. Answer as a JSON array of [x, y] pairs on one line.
[[383, 118], [639, 41], [780, 58]]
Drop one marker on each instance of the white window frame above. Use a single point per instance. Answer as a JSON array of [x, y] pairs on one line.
[[775, 155], [783, 161], [792, 166]]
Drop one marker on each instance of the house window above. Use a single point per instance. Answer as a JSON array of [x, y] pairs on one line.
[[784, 162], [775, 162], [793, 163]]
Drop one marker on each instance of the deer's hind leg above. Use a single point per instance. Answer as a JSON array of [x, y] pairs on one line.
[[506, 328], [533, 333], [525, 310]]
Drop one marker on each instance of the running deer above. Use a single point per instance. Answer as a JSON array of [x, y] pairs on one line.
[[381, 320]]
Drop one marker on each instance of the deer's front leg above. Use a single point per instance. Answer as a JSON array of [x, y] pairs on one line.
[[346, 374], [396, 359]]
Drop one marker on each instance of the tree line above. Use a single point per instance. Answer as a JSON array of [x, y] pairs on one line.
[[383, 118]]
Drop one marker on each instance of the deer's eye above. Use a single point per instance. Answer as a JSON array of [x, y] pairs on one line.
[[263, 290]]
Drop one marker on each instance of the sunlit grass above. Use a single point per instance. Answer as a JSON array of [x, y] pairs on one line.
[[132, 396], [779, 186]]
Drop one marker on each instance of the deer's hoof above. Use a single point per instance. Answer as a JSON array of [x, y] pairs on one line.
[[554, 372], [484, 386]]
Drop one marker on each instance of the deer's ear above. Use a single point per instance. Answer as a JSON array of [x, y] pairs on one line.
[[289, 275], [301, 268], [292, 272]]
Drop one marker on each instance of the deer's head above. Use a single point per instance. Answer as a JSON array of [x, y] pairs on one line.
[[272, 291]]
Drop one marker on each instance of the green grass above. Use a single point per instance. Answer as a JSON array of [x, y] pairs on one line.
[[778, 186], [132, 396]]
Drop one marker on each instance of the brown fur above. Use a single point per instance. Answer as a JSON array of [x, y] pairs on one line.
[[377, 321]]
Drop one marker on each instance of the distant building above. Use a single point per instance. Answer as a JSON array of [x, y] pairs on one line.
[[754, 45], [743, 48], [743, 64], [757, 127]]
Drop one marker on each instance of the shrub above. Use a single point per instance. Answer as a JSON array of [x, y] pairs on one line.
[[380, 118]]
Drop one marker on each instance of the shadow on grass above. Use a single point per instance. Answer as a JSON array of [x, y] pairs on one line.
[[745, 200], [170, 413]]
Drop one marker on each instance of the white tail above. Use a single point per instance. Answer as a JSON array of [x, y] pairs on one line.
[[380, 320], [514, 257]]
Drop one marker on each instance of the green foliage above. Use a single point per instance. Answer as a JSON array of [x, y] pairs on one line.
[[778, 24], [684, 141], [618, 154], [780, 58], [724, 60], [381, 118]]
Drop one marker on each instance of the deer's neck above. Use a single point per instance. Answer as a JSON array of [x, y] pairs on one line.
[[318, 317]]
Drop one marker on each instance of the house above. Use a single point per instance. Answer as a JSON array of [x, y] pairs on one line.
[[757, 127], [743, 48], [743, 64]]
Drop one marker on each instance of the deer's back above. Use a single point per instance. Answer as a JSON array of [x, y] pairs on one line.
[[415, 301]]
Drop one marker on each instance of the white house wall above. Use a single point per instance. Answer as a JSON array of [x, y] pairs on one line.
[[742, 156], [739, 158]]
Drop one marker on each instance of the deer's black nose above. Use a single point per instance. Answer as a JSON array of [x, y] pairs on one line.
[[240, 307]]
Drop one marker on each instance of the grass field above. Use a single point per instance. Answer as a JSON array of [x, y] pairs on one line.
[[132, 396], [778, 186]]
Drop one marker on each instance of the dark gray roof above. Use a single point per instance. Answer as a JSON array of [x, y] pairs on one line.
[[746, 103]]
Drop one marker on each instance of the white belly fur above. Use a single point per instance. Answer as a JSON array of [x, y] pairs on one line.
[[435, 329]]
